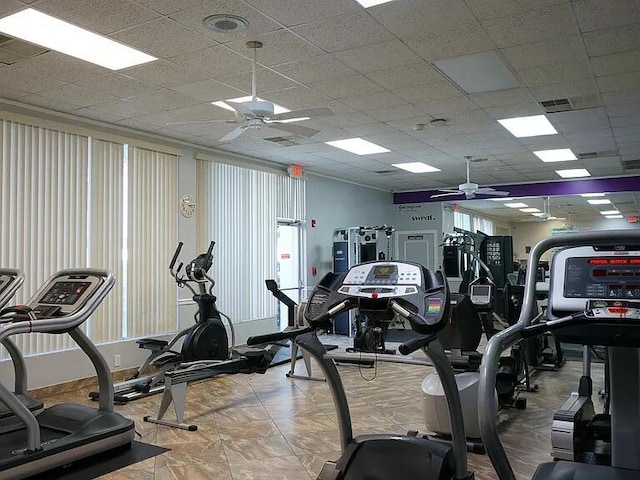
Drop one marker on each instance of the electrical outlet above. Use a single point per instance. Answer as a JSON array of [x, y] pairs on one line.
[[116, 360]]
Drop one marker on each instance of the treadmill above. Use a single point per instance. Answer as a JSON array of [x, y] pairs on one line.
[[11, 280], [594, 299], [63, 433]]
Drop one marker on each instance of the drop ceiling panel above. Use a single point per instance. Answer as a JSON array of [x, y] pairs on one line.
[[484, 9], [346, 86], [556, 73], [267, 81], [58, 66], [374, 101], [376, 57], [208, 90], [430, 92], [461, 40], [395, 113], [345, 32], [598, 15], [102, 16], [163, 73], [279, 47], [530, 26], [546, 52], [298, 97], [315, 69], [514, 96], [304, 11], [377, 128], [164, 100], [117, 85], [616, 63], [619, 39], [167, 7], [82, 97], [619, 82], [163, 38], [56, 104]]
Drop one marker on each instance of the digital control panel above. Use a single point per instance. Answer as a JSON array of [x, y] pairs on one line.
[[381, 280], [65, 293], [480, 294], [581, 275], [614, 309]]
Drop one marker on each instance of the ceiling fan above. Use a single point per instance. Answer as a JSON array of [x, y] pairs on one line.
[[469, 189], [256, 113]]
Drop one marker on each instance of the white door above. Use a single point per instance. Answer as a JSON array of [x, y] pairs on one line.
[[419, 247], [289, 266]]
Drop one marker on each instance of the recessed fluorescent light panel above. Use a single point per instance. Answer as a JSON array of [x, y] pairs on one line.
[[558, 155], [537, 214], [516, 205], [416, 167], [480, 72], [614, 216], [532, 126], [599, 201], [500, 199], [587, 195], [530, 210], [358, 146], [610, 212], [372, 3], [573, 173], [49, 32]]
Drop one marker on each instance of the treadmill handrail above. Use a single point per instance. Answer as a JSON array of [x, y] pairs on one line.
[[59, 324], [14, 286], [487, 401]]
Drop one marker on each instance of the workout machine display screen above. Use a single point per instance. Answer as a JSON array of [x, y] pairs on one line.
[[384, 271], [65, 293], [602, 277]]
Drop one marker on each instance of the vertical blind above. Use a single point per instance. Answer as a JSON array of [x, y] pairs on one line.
[[152, 237], [44, 188], [68, 201], [240, 209]]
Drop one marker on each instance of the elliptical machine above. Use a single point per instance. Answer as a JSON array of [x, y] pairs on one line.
[[384, 289], [205, 340]]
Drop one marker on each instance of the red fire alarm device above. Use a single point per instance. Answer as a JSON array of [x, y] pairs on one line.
[[633, 219], [295, 171], [313, 223]]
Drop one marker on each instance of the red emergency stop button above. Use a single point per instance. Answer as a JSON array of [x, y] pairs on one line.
[[374, 295]]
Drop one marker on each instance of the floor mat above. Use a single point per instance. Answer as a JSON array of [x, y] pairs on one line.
[[103, 463]]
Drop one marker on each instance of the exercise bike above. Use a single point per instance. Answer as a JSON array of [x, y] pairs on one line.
[[382, 290], [205, 340]]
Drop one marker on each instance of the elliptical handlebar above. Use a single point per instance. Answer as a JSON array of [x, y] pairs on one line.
[[175, 256]]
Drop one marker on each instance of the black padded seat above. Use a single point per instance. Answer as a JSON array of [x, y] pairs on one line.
[[580, 471]]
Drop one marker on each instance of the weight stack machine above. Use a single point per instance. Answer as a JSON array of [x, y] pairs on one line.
[[354, 245]]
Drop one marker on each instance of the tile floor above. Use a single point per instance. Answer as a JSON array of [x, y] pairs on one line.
[[259, 427]]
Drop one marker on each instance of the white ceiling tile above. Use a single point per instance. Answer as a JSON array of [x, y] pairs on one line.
[[13, 78], [8, 7], [59, 66], [412, 18], [279, 47], [374, 101], [446, 107], [163, 100], [596, 163], [215, 61], [612, 40], [498, 8], [103, 16], [619, 82], [82, 97], [615, 109], [395, 113], [304, 11], [625, 121], [167, 7], [598, 15], [514, 96], [426, 93], [370, 129], [547, 52], [316, 69], [463, 39], [509, 111], [163, 38], [193, 18], [298, 97], [557, 73], [341, 33], [92, 113], [267, 81], [117, 84], [630, 97], [208, 90], [376, 57], [346, 86], [163, 73], [407, 76], [580, 120], [124, 108], [531, 26], [576, 88], [349, 120], [56, 104], [616, 63]]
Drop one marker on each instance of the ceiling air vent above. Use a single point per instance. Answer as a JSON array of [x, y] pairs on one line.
[[631, 164], [285, 142], [14, 51], [569, 104], [603, 154], [388, 172]]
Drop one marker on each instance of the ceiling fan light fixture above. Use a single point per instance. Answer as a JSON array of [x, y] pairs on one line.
[[224, 23]]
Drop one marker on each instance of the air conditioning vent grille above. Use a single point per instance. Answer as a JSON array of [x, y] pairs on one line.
[[285, 142], [581, 102], [631, 164]]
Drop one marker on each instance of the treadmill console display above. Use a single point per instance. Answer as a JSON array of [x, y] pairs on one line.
[[389, 279], [65, 293], [602, 277]]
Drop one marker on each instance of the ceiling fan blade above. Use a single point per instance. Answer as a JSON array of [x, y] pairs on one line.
[[305, 112], [241, 108], [295, 129], [447, 194], [235, 133], [491, 191], [201, 121]]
